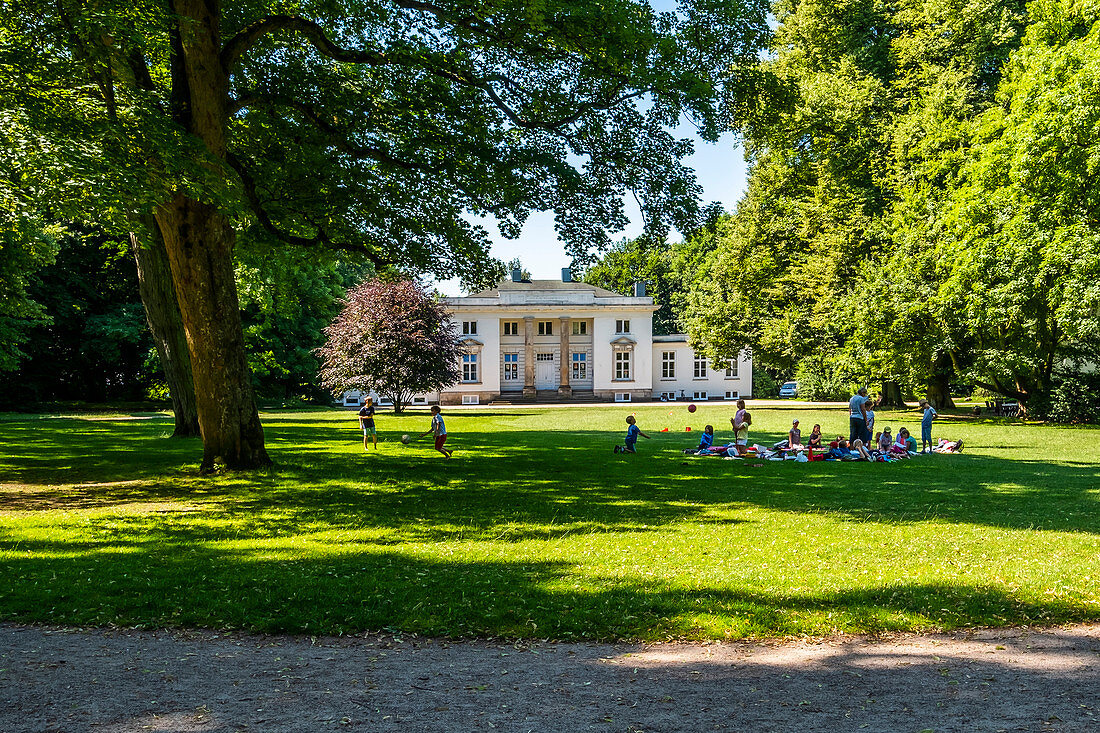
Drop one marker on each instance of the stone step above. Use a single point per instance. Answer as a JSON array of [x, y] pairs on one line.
[[548, 397]]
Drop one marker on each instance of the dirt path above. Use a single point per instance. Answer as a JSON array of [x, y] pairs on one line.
[[74, 680]]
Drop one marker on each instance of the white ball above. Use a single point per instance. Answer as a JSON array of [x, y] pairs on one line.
[[405, 438]]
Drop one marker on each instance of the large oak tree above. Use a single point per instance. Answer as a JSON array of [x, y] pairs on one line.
[[377, 126]]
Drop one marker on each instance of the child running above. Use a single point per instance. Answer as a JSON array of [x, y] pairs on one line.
[[366, 423], [632, 433], [439, 430], [926, 444]]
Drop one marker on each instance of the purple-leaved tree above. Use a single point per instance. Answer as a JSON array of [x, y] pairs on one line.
[[393, 338]]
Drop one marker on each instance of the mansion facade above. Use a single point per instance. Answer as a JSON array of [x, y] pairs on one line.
[[569, 340]]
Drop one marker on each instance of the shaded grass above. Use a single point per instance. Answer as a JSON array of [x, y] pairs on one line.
[[536, 529]]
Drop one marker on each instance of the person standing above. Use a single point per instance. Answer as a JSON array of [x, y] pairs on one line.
[[740, 422], [857, 415], [366, 423], [930, 414], [869, 437]]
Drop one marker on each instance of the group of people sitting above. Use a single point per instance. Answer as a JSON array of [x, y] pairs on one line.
[[885, 447]]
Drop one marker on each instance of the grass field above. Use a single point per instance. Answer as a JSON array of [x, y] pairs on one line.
[[536, 529]]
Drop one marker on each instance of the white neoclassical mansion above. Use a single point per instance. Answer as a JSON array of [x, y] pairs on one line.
[[550, 339]]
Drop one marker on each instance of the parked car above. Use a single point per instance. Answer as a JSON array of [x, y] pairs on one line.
[[789, 389]]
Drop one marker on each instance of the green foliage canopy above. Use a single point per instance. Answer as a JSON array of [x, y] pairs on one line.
[[924, 207], [379, 125]]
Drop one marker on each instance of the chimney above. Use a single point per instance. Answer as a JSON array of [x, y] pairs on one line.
[[517, 275], [566, 275], [639, 289]]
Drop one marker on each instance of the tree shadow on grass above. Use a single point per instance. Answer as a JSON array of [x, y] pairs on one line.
[[74, 450], [277, 589], [517, 466], [312, 545]]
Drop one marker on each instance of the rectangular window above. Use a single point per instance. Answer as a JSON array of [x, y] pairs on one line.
[[580, 366], [668, 365], [469, 328], [622, 326], [511, 367], [622, 365], [546, 328], [469, 367], [580, 328], [731, 370], [733, 395], [700, 366], [699, 396], [544, 357], [511, 328]]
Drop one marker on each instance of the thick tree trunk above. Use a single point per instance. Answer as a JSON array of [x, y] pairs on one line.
[[199, 241], [891, 395], [162, 311], [939, 391]]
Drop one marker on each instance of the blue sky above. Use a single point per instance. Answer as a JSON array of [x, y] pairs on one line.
[[721, 171]]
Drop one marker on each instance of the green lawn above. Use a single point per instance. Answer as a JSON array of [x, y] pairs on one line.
[[536, 529]]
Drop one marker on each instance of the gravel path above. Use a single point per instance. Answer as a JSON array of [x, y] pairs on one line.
[[120, 681]]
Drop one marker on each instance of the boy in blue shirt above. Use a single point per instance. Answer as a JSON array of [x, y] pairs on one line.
[[926, 426], [632, 433]]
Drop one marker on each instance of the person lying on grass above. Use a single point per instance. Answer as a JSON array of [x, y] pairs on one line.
[[948, 446], [862, 454]]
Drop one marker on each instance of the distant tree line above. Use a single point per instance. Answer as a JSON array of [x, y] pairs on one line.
[[90, 340]]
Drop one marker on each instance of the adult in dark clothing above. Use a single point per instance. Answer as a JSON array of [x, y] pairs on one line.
[[857, 416]]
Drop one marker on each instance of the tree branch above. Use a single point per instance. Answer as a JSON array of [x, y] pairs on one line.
[[336, 137], [321, 238], [433, 64], [239, 44]]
